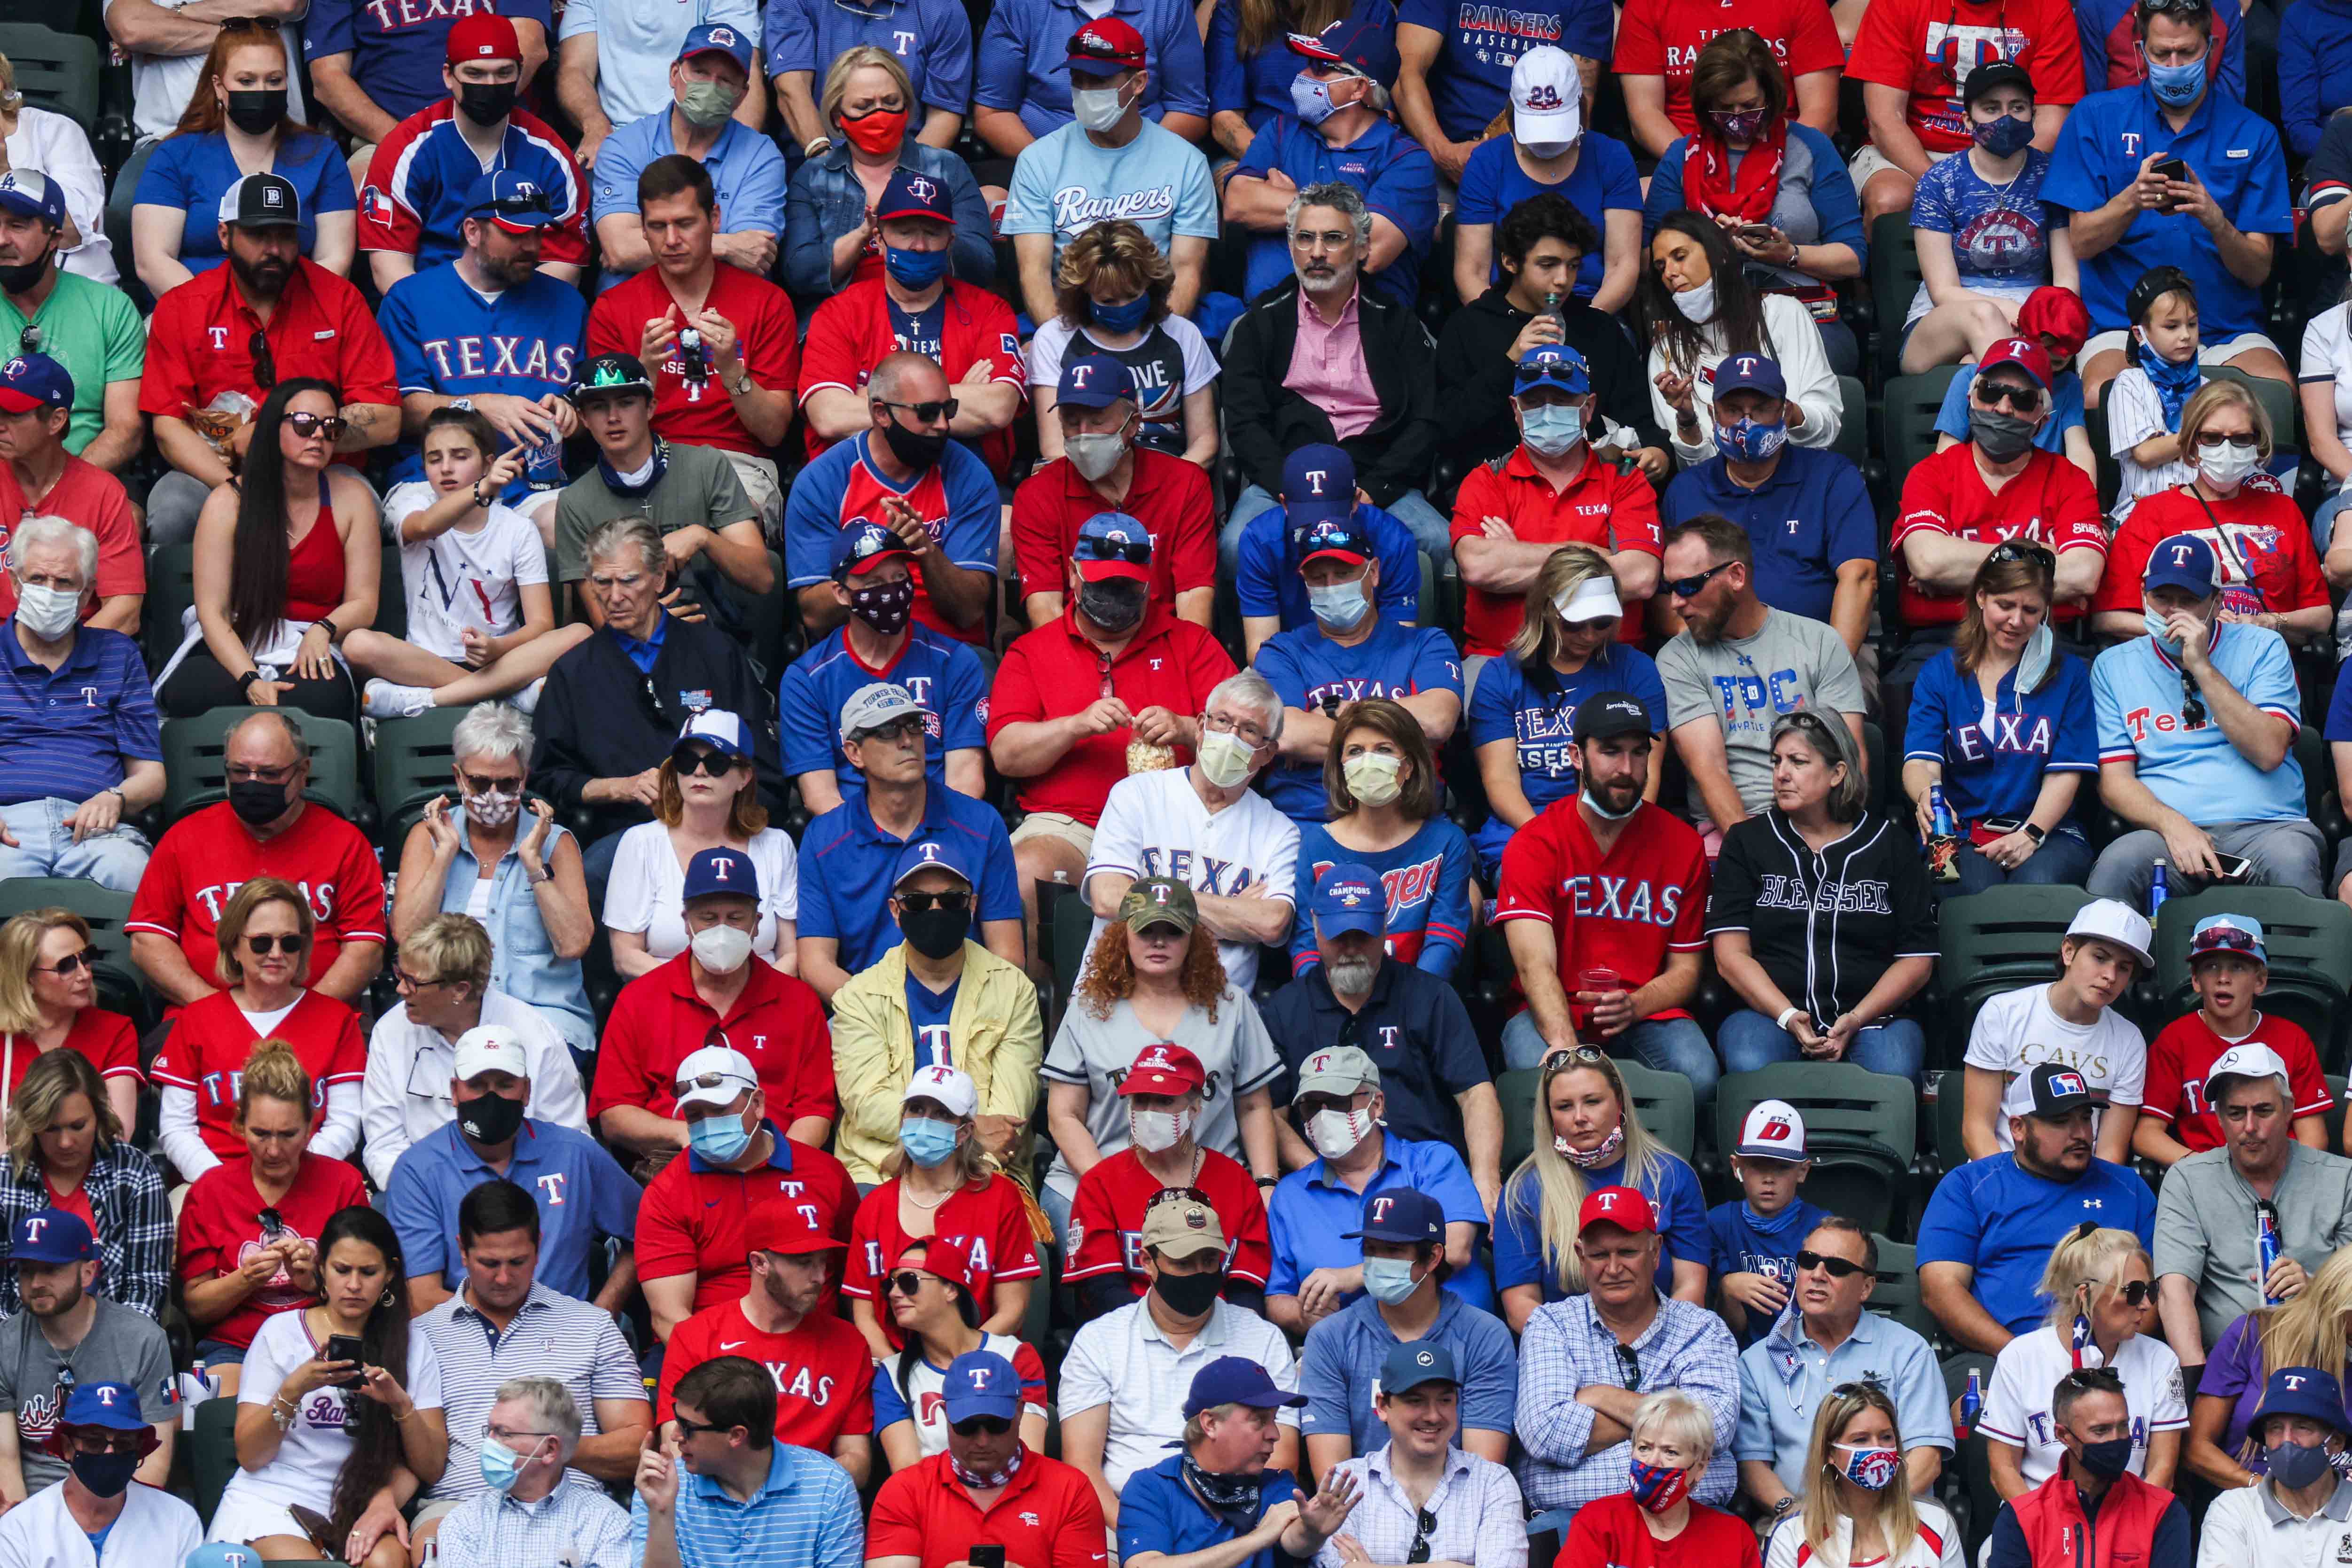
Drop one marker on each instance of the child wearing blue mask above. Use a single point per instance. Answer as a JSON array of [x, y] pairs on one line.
[[2143, 401]]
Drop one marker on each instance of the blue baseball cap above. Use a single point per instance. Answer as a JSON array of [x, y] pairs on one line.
[[718, 39], [1348, 897], [1414, 1362], [1363, 47], [1750, 373], [2307, 1391], [864, 545], [223, 1555], [51, 1236], [34, 380], [723, 871], [930, 854], [113, 1405], [514, 201], [2227, 934], [721, 731], [1112, 544], [1094, 381], [1337, 538], [980, 1383], [2184, 561], [1236, 1380], [32, 194], [1552, 365], [911, 193], [1402, 1215], [1317, 482]]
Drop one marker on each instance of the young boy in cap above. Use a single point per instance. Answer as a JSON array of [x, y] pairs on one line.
[[1755, 1237], [2070, 1021], [2228, 968]]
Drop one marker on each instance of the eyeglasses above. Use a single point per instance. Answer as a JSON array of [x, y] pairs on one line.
[[1176, 1195], [484, 784], [902, 729], [709, 764], [265, 366], [1248, 734], [2213, 441], [1629, 1365], [973, 1427], [905, 1281], [237, 775], [2010, 553], [1992, 395], [70, 964], [947, 902], [1329, 239], [1836, 1268], [1689, 587], [924, 412], [307, 424], [402, 980], [1424, 1525], [289, 944]]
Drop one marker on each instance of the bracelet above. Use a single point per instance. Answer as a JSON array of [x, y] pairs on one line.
[[1786, 1014], [282, 1412], [334, 633], [247, 679]]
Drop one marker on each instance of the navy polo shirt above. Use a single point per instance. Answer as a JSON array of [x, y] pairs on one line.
[[1811, 516], [846, 860], [1266, 580], [1024, 51], [2229, 147], [1386, 166], [1158, 1512], [1310, 1213], [1413, 1027], [643, 653], [582, 1193], [64, 735]]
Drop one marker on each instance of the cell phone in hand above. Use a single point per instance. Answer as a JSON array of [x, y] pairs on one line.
[[985, 1555], [1757, 234], [343, 1347], [2234, 868], [2173, 169], [2004, 826]]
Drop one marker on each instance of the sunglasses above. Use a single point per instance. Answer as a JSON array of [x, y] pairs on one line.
[[289, 943], [905, 1281], [709, 764], [1992, 395], [897, 729], [2221, 939], [686, 1429], [476, 784], [924, 412], [1176, 1195], [1424, 1525], [265, 366], [1560, 1062], [70, 964], [1135, 552], [2010, 552], [948, 902], [2213, 441], [1629, 1365], [1838, 1267], [306, 426], [1689, 587], [2136, 1292], [2192, 702], [993, 1425]]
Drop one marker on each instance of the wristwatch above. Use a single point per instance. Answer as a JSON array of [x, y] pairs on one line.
[[2033, 832], [739, 385]]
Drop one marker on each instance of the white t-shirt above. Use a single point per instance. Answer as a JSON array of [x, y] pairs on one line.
[[924, 1384], [61, 149], [154, 1529], [2017, 1406], [312, 1451], [2327, 353], [647, 892], [1122, 1360], [2134, 413], [2016, 1032], [406, 1094], [458, 579], [1155, 824], [1937, 1544]]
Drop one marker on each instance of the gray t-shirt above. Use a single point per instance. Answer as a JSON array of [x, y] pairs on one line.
[[1235, 1051], [700, 487], [1746, 683], [122, 1346], [2205, 1227]]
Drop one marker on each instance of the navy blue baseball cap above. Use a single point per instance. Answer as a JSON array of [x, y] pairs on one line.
[[980, 1383], [1363, 47], [1348, 897], [862, 546], [911, 193], [1094, 381], [34, 380], [1337, 538], [1414, 1362], [1748, 373], [1112, 544], [2307, 1391], [30, 193], [1236, 1380], [723, 870], [50, 1236], [2184, 561], [1401, 1215], [930, 854], [113, 1405], [1552, 365], [514, 201], [718, 39], [1317, 482]]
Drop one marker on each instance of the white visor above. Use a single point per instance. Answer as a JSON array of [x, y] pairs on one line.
[[1594, 599]]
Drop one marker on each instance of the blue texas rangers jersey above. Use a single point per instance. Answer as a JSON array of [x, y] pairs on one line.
[[447, 338], [943, 675], [1316, 675], [423, 173]]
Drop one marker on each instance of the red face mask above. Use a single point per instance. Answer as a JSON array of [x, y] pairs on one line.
[[877, 131]]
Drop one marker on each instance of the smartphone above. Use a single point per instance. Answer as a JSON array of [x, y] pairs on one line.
[[2003, 825], [985, 1555], [2234, 868], [2173, 169], [343, 1347], [1756, 234]]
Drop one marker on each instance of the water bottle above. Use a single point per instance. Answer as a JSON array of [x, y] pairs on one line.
[[1943, 838], [2155, 890], [2266, 1244], [1559, 318], [1971, 1405], [432, 1558]]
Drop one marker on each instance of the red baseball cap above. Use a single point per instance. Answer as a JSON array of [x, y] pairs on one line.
[[1619, 1206], [778, 1225], [484, 36], [2051, 311], [2026, 353], [1105, 47], [1163, 1069], [950, 1258]]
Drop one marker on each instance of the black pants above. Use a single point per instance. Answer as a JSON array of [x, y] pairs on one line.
[[200, 685]]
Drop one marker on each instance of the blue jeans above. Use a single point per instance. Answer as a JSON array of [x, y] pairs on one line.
[[44, 847], [2323, 521], [2062, 858], [1664, 1045], [1431, 530], [1749, 1041]]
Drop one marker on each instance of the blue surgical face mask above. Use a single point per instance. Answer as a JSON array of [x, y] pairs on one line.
[[915, 269], [1550, 429], [1339, 606], [927, 1142], [1749, 440], [2156, 628], [2176, 86], [502, 1466], [719, 1140], [1389, 1281], [1127, 317]]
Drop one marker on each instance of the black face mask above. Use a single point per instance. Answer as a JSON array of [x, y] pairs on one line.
[[24, 276], [1239, 1500], [1115, 606], [2108, 1460], [1190, 1295], [255, 802], [492, 1119], [915, 448], [258, 111], [935, 933], [884, 606], [105, 1475], [487, 102]]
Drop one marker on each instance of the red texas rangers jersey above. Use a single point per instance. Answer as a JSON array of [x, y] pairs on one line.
[[1621, 913], [823, 1370], [849, 334], [1106, 1233], [421, 175]]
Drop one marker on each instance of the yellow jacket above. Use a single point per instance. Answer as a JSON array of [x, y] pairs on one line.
[[999, 1040]]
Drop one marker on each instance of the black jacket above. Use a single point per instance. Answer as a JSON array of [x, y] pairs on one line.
[[1265, 421], [601, 717], [1824, 925], [1474, 370]]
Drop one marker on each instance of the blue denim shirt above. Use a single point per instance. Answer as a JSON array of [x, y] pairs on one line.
[[522, 957], [825, 202]]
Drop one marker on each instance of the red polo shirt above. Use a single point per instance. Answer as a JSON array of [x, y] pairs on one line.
[[850, 333], [199, 341], [690, 1220], [91, 498], [1055, 671], [2050, 501], [1169, 495], [1603, 507], [824, 1371], [659, 1021], [700, 413], [1624, 912], [1047, 1516]]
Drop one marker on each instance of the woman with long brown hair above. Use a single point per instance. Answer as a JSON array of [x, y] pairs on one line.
[[1153, 977], [2011, 791], [48, 998], [1859, 1508], [237, 124]]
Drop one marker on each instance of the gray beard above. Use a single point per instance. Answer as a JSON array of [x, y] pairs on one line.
[[1349, 977]]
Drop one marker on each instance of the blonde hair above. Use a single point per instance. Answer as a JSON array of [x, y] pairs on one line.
[[249, 897], [1898, 1521], [972, 1165], [2308, 1329], [1566, 570], [1680, 1419], [56, 1077], [20, 949], [1121, 253], [1553, 1187], [2213, 395], [273, 1072], [11, 101], [848, 63], [456, 947], [2094, 1257]]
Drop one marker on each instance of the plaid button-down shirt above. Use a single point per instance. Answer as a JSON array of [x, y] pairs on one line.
[[134, 1225], [1566, 1347], [578, 1527], [1480, 1520]]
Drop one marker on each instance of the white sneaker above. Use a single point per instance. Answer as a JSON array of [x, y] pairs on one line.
[[526, 700], [383, 699]]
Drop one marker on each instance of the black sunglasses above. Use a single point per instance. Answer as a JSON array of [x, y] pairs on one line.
[[2192, 702], [2010, 553], [1992, 395], [686, 1429], [1176, 1195], [710, 764], [1838, 1267], [1424, 1525], [1629, 1365], [951, 903], [307, 424], [264, 366], [939, 408], [476, 784], [2213, 440], [993, 1425], [2136, 1292], [905, 1281], [897, 729], [288, 943], [1135, 552], [70, 964], [1689, 587]]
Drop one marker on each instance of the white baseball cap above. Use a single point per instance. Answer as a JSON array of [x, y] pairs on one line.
[[1772, 1130], [489, 1048], [1546, 95], [951, 1087], [2243, 1061], [2112, 920], [712, 1076]]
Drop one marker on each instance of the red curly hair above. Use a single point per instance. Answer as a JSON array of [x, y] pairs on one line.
[[1110, 972]]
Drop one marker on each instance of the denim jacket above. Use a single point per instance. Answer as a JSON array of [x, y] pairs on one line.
[[825, 202], [522, 957]]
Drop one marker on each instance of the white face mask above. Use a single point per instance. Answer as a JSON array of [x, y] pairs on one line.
[[1097, 108], [493, 808], [1371, 776], [1095, 455], [1224, 758], [721, 949], [1336, 1133], [1157, 1132], [1698, 305], [47, 613], [2225, 468]]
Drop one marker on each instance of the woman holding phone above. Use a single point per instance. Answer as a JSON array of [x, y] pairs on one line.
[[330, 1442]]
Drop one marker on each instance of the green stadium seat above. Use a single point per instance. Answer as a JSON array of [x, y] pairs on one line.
[[197, 772], [2278, 400], [1895, 279], [1951, 1113], [410, 765], [1860, 1132], [58, 71], [212, 1453], [1665, 1102], [2337, 1086], [171, 593], [1996, 941], [1853, 423], [1516, 1092], [2308, 942], [1071, 921], [1898, 1294], [119, 200], [392, 596], [1909, 405]]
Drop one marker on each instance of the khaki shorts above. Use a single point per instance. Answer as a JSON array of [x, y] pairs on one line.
[[432, 1513], [1870, 161], [757, 478], [1056, 825]]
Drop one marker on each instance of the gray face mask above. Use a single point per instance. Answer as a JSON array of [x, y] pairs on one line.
[[1095, 455], [2004, 437], [707, 104], [1115, 606]]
